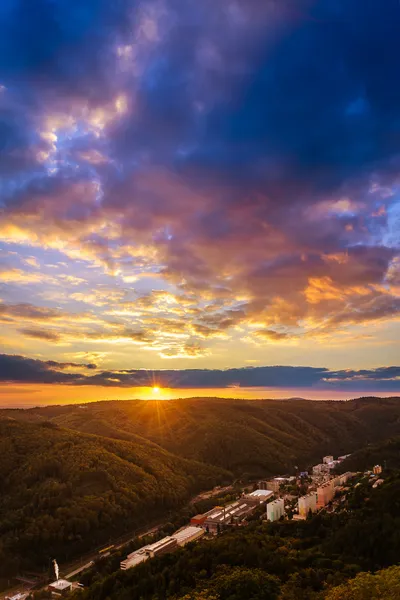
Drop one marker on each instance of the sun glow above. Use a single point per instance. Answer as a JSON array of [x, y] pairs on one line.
[[156, 390]]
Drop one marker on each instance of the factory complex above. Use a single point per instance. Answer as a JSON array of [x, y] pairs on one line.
[[167, 544], [271, 495]]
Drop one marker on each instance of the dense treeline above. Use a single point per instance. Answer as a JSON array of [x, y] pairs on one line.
[[64, 492], [386, 454], [292, 560], [250, 438]]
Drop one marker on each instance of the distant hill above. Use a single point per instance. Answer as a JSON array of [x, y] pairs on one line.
[[253, 438], [63, 492]]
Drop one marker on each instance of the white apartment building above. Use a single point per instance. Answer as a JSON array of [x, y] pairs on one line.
[[275, 509]]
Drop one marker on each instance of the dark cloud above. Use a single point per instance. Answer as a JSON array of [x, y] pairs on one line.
[[19, 369]]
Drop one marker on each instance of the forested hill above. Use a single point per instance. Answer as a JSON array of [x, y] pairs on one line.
[[63, 492], [253, 438], [386, 454]]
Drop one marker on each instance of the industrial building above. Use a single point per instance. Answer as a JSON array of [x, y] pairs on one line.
[[133, 561], [275, 509], [61, 587], [229, 515], [188, 534], [307, 503], [258, 496], [199, 520], [167, 544]]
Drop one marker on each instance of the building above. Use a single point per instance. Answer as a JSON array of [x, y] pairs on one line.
[[232, 514], [167, 544], [343, 479], [327, 459], [378, 482], [325, 493], [262, 485], [275, 484], [198, 519], [18, 596], [320, 469], [377, 469], [163, 546], [133, 561], [331, 465], [341, 458], [61, 587], [258, 497], [307, 503], [188, 534], [275, 509]]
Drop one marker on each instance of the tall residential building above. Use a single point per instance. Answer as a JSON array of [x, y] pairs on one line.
[[377, 469], [325, 493], [307, 503], [343, 479], [275, 509]]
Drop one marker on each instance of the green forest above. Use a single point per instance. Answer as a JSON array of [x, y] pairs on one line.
[[347, 555], [64, 492]]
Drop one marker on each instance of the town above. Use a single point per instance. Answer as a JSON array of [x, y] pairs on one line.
[[276, 499], [284, 497]]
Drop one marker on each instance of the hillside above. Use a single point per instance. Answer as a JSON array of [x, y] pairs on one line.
[[386, 453], [254, 438], [63, 492]]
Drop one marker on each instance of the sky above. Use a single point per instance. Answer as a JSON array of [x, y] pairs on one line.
[[199, 198]]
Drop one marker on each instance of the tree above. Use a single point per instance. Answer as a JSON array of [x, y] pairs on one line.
[[241, 583], [203, 595], [366, 586]]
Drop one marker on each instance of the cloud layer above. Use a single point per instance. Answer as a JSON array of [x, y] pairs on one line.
[[20, 369], [190, 179]]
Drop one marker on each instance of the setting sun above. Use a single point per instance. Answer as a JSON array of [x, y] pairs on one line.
[[156, 390]]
